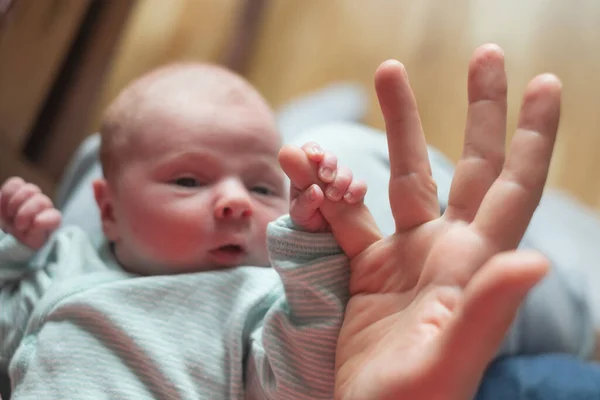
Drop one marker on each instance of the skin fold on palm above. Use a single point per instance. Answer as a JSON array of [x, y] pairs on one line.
[[431, 303]]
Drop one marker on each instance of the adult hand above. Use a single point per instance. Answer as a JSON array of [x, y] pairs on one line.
[[431, 303]]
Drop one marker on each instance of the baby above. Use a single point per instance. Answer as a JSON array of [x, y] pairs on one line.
[[178, 304]]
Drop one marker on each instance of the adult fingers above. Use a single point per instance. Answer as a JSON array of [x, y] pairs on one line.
[[412, 191], [485, 134], [507, 208]]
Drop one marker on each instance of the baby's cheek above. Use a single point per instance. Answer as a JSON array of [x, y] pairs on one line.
[[263, 218], [168, 244], [162, 229]]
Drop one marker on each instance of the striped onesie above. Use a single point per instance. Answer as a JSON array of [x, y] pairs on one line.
[[74, 325]]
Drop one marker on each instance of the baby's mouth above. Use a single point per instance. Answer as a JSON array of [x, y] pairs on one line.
[[229, 254], [231, 249]]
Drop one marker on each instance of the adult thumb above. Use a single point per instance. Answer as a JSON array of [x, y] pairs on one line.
[[489, 305]]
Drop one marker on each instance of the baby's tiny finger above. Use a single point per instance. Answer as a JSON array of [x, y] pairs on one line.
[[47, 220], [336, 190], [328, 167], [9, 188], [313, 151], [356, 192], [22, 195], [307, 204], [29, 210]]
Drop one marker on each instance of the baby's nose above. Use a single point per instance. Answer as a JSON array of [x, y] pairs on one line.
[[233, 211], [234, 205]]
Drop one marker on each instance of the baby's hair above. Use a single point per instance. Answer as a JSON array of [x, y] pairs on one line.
[[210, 81]]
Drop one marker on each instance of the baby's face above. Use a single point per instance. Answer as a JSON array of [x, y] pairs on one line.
[[198, 190]]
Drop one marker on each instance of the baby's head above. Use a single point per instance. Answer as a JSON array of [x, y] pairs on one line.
[[191, 177]]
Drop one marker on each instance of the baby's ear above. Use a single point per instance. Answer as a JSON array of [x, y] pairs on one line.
[[104, 200]]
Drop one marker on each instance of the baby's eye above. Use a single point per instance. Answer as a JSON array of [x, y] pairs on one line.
[[265, 191], [187, 182]]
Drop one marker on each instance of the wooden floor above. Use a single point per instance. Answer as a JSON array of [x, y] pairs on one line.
[[305, 44]]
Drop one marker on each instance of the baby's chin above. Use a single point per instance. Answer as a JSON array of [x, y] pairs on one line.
[[218, 260]]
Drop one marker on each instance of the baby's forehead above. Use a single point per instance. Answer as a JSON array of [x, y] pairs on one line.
[[202, 120], [204, 102], [199, 82]]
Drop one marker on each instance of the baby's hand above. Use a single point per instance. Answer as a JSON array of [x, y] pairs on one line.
[[336, 184], [27, 213]]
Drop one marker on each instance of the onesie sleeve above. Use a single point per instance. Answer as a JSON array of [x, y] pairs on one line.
[[292, 352], [15, 258], [26, 275]]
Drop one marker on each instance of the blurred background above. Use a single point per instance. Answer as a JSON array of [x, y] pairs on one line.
[[63, 61]]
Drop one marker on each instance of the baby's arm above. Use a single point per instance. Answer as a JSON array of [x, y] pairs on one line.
[[27, 219], [292, 354]]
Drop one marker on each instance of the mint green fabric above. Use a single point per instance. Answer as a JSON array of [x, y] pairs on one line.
[[82, 328]]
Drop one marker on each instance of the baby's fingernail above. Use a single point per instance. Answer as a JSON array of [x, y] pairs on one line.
[[312, 193], [327, 174], [333, 193], [348, 197], [316, 150]]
